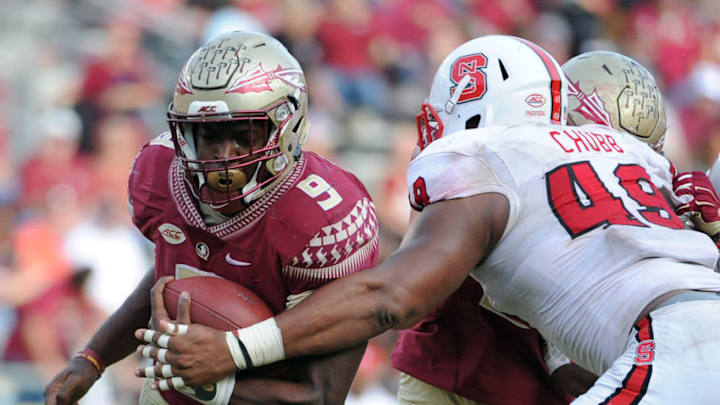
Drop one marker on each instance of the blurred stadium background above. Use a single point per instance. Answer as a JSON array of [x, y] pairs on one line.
[[84, 83]]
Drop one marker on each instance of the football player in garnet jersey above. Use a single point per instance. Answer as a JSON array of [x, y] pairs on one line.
[[228, 192]]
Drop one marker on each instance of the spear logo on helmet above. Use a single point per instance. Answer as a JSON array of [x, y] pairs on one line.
[[258, 80], [591, 106], [182, 85]]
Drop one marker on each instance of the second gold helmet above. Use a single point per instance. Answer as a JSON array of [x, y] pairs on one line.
[[611, 89]]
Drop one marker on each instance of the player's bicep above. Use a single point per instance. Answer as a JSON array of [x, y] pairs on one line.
[[443, 245], [444, 175], [463, 224]]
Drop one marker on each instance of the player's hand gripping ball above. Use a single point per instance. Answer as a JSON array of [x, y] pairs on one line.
[[191, 323], [224, 305]]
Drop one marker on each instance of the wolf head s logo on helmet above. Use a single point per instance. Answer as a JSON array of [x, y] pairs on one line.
[[469, 65]]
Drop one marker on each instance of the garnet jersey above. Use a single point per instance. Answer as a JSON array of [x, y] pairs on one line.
[[317, 225], [468, 350], [590, 239]]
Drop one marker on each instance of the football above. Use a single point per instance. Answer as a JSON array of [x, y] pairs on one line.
[[224, 305], [216, 302]]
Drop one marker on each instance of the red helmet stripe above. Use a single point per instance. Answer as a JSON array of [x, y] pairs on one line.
[[555, 80]]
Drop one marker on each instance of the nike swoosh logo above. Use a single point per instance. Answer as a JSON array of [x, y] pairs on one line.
[[235, 262]]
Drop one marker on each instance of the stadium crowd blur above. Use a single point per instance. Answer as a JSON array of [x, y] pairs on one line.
[[84, 83]]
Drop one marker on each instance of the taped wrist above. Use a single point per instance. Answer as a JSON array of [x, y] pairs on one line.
[[256, 345]]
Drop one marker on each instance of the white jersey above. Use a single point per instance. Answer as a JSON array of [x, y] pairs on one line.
[[590, 239]]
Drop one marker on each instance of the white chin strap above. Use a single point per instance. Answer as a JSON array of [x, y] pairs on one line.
[[252, 183], [450, 104]]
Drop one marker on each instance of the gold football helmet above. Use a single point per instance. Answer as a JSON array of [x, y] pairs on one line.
[[611, 89], [249, 79]]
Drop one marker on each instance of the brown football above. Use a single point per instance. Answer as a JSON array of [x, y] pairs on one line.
[[224, 305], [216, 302]]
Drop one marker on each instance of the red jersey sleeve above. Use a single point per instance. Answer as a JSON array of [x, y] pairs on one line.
[[148, 185]]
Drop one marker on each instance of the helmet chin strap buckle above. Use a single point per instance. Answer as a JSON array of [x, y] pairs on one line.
[[450, 104]]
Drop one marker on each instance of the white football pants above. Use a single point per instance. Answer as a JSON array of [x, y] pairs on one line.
[[672, 358]]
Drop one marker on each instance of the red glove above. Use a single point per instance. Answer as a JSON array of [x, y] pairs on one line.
[[700, 201]]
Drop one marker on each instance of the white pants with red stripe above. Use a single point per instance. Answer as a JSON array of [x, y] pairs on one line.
[[672, 357]]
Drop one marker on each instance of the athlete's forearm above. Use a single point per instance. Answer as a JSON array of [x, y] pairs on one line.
[[115, 339], [354, 309], [359, 309]]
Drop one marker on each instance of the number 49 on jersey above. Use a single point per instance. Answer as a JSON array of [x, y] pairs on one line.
[[582, 202]]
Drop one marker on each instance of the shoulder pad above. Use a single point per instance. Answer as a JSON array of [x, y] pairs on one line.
[[148, 187], [456, 168], [335, 216]]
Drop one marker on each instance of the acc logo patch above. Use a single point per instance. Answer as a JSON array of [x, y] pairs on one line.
[[172, 234], [535, 100]]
